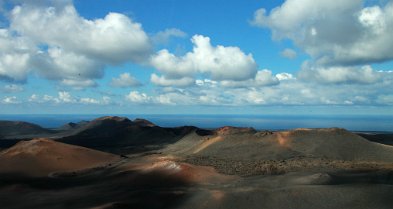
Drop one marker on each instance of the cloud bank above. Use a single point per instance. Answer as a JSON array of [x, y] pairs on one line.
[[344, 40]]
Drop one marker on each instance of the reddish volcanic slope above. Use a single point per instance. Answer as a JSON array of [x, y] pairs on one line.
[[40, 157]]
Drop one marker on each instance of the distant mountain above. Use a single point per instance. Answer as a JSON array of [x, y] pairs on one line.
[[121, 135], [16, 129], [143, 122], [72, 126], [114, 134], [40, 157], [11, 132]]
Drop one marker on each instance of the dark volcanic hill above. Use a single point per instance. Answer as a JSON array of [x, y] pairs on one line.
[[15, 129], [122, 136], [11, 132], [72, 126]]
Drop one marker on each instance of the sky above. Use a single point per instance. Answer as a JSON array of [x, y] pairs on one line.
[[196, 57]]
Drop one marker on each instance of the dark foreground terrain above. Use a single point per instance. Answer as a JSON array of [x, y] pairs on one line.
[[114, 162]]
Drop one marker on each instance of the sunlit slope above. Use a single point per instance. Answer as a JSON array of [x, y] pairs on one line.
[[248, 144], [40, 157]]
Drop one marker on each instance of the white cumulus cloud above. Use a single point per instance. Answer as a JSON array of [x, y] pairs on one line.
[[87, 100], [12, 88], [289, 53], [125, 80], [163, 37], [79, 84], [284, 76], [340, 75], [15, 56], [137, 97], [10, 100], [218, 62], [51, 39], [66, 97], [262, 78], [114, 38], [339, 33], [163, 81], [58, 64]]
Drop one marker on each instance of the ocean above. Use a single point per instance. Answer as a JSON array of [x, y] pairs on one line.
[[260, 122]]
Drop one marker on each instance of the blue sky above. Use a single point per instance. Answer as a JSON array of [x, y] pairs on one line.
[[196, 57]]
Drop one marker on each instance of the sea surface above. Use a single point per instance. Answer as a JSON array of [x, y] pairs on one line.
[[269, 122]]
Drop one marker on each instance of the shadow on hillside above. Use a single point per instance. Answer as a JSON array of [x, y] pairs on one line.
[[131, 189]]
